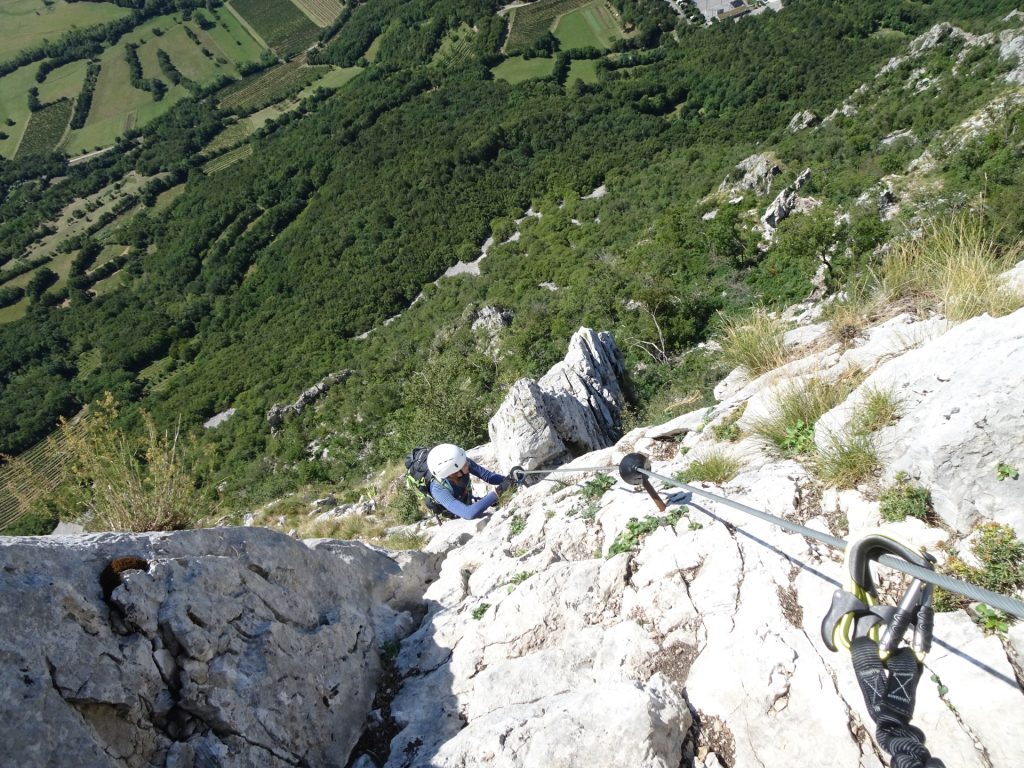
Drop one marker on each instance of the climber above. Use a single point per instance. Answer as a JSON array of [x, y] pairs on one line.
[[450, 484]]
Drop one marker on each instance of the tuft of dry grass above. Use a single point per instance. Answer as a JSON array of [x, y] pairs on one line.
[[753, 341], [953, 269]]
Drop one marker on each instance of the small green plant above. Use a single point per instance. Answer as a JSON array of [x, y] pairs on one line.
[[991, 620], [1002, 559], [1006, 472], [517, 524], [715, 467], [943, 690], [728, 429], [480, 610], [694, 525], [846, 462], [637, 530], [903, 499], [589, 512], [518, 579], [597, 487], [799, 438], [944, 601]]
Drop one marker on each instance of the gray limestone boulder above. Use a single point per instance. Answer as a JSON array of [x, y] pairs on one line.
[[229, 647], [576, 407]]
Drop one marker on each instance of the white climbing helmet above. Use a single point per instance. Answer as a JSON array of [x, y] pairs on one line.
[[445, 459]]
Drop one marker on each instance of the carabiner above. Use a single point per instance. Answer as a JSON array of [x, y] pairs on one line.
[[856, 611]]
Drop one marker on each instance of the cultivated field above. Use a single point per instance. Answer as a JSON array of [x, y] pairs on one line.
[[320, 12], [45, 129], [117, 105], [284, 27], [529, 23], [26, 23], [269, 87], [593, 25], [228, 159], [516, 69], [455, 47]]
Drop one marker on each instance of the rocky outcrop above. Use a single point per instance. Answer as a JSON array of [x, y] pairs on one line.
[[277, 413], [232, 647], [785, 204], [755, 174], [574, 408], [802, 120]]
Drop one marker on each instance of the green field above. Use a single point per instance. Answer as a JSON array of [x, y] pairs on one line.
[[228, 159], [65, 81], [335, 78], [26, 23], [583, 69], [593, 25], [516, 69], [14, 106], [116, 105], [229, 39], [284, 27]]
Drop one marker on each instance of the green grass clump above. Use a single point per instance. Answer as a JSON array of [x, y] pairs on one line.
[[847, 461], [753, 341], [904, 499], [954, 269], [716, 467], [728, 430], [879, 408], [517, 524], [480, 610], [790, 424]]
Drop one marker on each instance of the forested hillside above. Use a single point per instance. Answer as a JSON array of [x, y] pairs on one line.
[[241, 284]]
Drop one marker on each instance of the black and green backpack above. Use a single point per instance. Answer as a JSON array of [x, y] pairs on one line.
[[418, 477]]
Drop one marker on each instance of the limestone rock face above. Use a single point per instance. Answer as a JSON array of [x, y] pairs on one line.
[[963, 415], [574, 408], [232, 647]]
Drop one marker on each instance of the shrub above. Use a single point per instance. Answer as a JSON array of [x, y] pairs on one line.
[[33, 523], [954, 268], [127, 483], [715, 467], [753, 341], [517, 524], [904, 499], [480, 610]]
